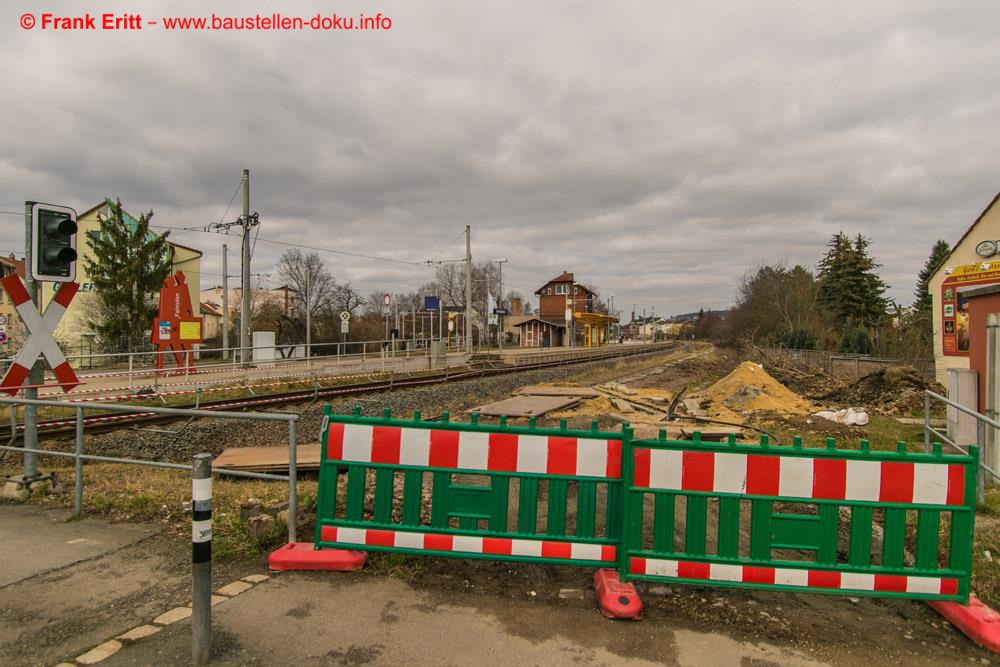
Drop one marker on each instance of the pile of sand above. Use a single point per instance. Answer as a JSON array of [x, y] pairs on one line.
[[750, 389]]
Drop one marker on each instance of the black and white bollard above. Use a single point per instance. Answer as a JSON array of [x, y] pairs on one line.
[[201, 558]]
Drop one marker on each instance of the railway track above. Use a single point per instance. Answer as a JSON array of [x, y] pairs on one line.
[[54, 428]]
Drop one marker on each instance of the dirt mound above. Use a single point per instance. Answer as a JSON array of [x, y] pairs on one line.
[[750, 389], [892, 390]]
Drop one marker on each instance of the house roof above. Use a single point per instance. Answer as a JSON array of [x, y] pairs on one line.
[[564, 277], [968, 231], [132, 221], [559, 325]]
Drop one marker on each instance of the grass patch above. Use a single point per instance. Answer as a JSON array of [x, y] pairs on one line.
[[152, 495]]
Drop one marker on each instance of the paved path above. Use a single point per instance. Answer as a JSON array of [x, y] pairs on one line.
[[340, 619], [34, 540], [69, 587]]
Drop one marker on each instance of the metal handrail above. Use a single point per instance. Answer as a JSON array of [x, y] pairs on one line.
[[79, 457], [981, 422]]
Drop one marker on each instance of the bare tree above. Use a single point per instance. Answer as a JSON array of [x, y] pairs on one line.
[[311, 283], [345, 297]]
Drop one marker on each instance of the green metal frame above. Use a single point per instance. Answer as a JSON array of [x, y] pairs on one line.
[[818, 533], [470, 504]]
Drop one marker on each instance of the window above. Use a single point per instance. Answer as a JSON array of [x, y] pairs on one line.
[[561, 288], [550, 290]]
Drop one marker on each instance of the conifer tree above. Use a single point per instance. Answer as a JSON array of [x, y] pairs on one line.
[[128, 267], [939, 253], [849, 286]]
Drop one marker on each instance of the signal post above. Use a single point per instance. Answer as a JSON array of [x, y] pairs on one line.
[[50, 240]]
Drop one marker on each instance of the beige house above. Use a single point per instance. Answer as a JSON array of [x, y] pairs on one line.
[[8, 316], [73, 331], [211, 319], [974, 262]]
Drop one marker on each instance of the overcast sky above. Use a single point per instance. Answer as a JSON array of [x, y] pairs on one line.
[[658, 150]]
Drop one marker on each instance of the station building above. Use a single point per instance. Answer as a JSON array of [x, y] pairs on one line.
[[561, 302], [974, 263], [73, 332]]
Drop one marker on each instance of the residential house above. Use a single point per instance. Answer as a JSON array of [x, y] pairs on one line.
[[73, 330]]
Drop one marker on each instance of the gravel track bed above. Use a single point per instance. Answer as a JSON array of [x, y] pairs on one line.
[[215, 435]]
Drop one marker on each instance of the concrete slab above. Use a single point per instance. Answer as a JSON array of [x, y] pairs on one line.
[[139, 632], [53, 541], [525, 406], [234, 588], [544, 390], [99, 653]]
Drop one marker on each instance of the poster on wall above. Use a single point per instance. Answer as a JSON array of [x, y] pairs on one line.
[[955, 307]]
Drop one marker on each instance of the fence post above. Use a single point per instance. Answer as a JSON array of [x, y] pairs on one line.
[[130, 380], [293, 486], [980, 473], [927, 423], [201, 558], [627, 475], [78, 482]]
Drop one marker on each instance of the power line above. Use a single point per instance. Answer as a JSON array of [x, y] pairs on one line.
[[450, 244]]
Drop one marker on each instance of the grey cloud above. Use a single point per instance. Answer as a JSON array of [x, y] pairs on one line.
[[659, 152]]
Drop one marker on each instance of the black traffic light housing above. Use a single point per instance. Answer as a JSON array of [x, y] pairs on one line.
[[53, 243]]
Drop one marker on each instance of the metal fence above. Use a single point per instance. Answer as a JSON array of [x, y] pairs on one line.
[[79, 456], [983, 443], [840, 364]]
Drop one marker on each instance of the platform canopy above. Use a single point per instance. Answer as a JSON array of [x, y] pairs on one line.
[[598, 327]]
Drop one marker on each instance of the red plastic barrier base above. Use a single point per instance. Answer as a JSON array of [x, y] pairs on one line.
[[979, 622], [617, 599], [302, 556]]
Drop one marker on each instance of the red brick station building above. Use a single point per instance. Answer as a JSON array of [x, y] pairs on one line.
[[566, 316]]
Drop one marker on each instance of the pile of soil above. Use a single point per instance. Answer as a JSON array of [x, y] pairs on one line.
[[889, 391], [748, 388]]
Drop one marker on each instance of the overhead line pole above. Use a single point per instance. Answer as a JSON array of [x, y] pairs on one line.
[[468, 288], [225, 302], [245, 274]]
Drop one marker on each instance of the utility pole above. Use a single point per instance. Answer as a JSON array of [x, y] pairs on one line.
[[225, 302], [308, 320], [611, 312], [468, 288], [247, 221], [245, 274]]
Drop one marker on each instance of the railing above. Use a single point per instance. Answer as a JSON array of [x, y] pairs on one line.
[[982, 421], [142, 363], [79, 456]]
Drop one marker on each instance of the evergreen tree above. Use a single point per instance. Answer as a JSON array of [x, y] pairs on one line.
[[939, 253], [849, 286], [128, 267]]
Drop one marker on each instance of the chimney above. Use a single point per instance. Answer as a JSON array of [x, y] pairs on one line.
[[515, 306]]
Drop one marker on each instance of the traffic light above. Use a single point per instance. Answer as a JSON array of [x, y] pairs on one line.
[[53, 243]]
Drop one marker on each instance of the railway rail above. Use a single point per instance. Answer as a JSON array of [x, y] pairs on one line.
[[53, 428]]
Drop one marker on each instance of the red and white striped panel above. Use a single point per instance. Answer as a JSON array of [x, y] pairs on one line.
[[474, 450], [496, 546], [40, 341], [778, 576], [801, 477]]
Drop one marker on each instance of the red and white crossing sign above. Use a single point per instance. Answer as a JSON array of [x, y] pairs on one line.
[[41, 341]]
